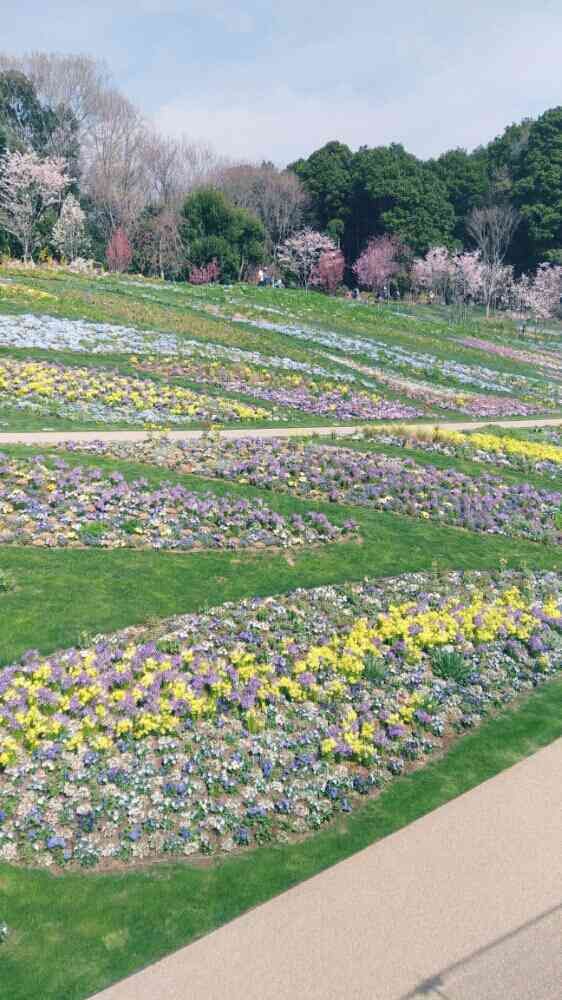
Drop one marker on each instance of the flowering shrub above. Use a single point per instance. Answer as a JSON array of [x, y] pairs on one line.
[[64, 506], [321, 472], [119, 252], [294, 391], [106, 395], [261, 719], [206, 274]]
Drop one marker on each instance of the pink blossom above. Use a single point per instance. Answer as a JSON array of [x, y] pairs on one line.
[[206, 274], [328, 273], [378, 262]]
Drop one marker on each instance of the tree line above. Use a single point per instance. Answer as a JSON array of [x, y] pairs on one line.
[[83, 175]]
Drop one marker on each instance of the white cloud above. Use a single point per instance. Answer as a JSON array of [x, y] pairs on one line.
[[459, 95], [276, 81]]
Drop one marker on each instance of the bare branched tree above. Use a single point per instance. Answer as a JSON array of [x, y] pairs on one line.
[[275, 196], [115, 174], [77, 82], [175, 167], [492, 230]]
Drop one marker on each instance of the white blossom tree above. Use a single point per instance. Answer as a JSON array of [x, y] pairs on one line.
[[300, 255], [69, 232], [29, 186], [542, 293], [492, 230], [435, 272]]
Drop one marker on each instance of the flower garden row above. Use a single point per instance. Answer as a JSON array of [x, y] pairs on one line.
[[514, 453], [539, 359], [475, 404], [477, 391], [292, 391], [108, 396], [259, 720], [343, 475], [65, 506], [536, 394], [83, 336]]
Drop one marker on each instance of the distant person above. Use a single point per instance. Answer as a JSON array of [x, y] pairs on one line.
[[355, 293], [260, 276]]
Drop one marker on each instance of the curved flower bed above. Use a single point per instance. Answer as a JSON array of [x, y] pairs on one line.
[[109, 396], [258, 720], [325, 398], [509, 452], [343, 475], [78, 506]]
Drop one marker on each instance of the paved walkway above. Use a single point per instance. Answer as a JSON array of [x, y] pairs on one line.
[[464, 904], [56, 437]]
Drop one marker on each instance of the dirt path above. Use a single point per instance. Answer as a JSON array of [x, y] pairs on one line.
[[464, 904], [55, 437]]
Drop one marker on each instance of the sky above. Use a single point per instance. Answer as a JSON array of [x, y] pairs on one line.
[[260, 80]]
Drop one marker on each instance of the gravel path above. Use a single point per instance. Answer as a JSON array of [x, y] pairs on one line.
[[55, 437]]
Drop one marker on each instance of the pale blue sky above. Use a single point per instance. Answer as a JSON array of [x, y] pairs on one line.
[[277, 80]]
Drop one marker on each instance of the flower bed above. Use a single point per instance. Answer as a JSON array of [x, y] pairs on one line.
[[539, 358], [472, 403], [343, 475], [82, 336], [537, 394], [508, 452], [11, 290], [107, 396], [64, 506], [258, 720], [321, 398]]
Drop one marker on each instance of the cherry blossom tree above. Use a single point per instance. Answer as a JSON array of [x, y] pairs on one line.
[[69, 232], [29, 186], [492, 230], [119, 251], [300, 255], [328, 273], [206, 274], [542, 294], [378, 262], [435, 272], [468, 276]]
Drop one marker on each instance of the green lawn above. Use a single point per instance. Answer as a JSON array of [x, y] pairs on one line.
[[85, 591]]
